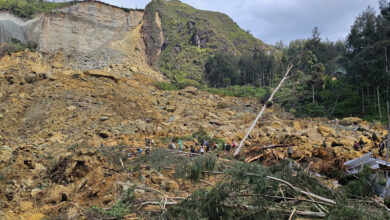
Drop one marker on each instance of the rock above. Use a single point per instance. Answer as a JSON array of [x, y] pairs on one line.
[[139, 193], [57, 65], [30, 78], [192, 90], [157, 179], [276, 124], [170, 185], [103, 134], [170, 108], [57, 137], [325, 131], [350, 121], [103, 118], [5, 154], [297, 125], [58, 193], [1, 115], [36, 193], [71, 108], [324, 153], [346, 142], [25, 206]]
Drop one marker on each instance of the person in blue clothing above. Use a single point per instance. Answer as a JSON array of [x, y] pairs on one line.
[[180, 145]]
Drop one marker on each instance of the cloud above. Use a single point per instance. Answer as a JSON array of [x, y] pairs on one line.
[[273, 20]]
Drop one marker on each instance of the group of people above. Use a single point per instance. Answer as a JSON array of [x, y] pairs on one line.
[[204, 147], [375, 139]]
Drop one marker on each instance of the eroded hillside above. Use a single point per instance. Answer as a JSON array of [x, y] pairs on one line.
[[73, 113], [54, 119]]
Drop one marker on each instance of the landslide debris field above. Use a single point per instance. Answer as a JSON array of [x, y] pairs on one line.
[[73, 118], [69, 140]]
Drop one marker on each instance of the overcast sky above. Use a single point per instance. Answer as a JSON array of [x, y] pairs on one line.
[[273, 20]]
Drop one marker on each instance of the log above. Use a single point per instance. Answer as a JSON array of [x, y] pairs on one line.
[[292, 214], [311, 214], [250, 159]]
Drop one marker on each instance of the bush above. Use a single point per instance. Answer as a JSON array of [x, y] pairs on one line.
[[28, 8], [166, 86], [361, 186], [117, 211]]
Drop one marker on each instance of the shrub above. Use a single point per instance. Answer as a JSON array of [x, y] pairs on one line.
[[117, 211], [166, 86]]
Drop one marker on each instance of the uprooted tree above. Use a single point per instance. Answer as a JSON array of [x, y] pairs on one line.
[[300, 62]]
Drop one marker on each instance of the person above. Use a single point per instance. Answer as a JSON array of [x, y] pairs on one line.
[[374, 137], [375, 145], [180, 145], [324, 144], [201, 150], [361, 143], [173, 146], [215, 146], [147, 142], [101, 145], [205, 143], [223, 146], [381, 148], [234, 144], [289, 150], [208, 148], [355, 146], [147, 151], [151, 142], [192, 151], [140, 151], [228, 148]]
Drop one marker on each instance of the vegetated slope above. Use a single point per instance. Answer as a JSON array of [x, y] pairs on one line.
[[28, 8], [190, 36]]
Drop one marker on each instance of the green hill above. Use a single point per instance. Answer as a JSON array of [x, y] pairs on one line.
[[190, 36]]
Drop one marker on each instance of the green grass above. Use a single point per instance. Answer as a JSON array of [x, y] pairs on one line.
[[27, 9], [241, 91], [16, 46], [188, 62], [120, 209]]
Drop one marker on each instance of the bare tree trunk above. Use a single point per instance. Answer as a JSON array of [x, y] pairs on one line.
[[379, 102], [388, 133], [363, 99], [387, 70], [237, 152], [313, 92], [337, 100], [375, 106]]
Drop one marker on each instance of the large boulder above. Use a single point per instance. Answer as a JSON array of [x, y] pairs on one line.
[[326, 131], [350, 121], [323, 153], [170, 185], [5, 154]]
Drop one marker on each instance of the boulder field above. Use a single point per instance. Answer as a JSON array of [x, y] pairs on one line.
[[54, 121]]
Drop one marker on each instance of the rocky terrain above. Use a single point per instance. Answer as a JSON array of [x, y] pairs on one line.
[[54, 119], [71, 112]]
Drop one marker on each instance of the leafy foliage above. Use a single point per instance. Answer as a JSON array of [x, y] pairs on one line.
[[117, 211], [28, 8]]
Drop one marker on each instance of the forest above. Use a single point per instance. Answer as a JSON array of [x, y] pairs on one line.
[[333, 79]]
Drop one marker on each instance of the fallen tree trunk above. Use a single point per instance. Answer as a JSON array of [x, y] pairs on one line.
[[237, 152]]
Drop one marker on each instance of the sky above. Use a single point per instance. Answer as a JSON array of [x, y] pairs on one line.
[[286, 20]]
